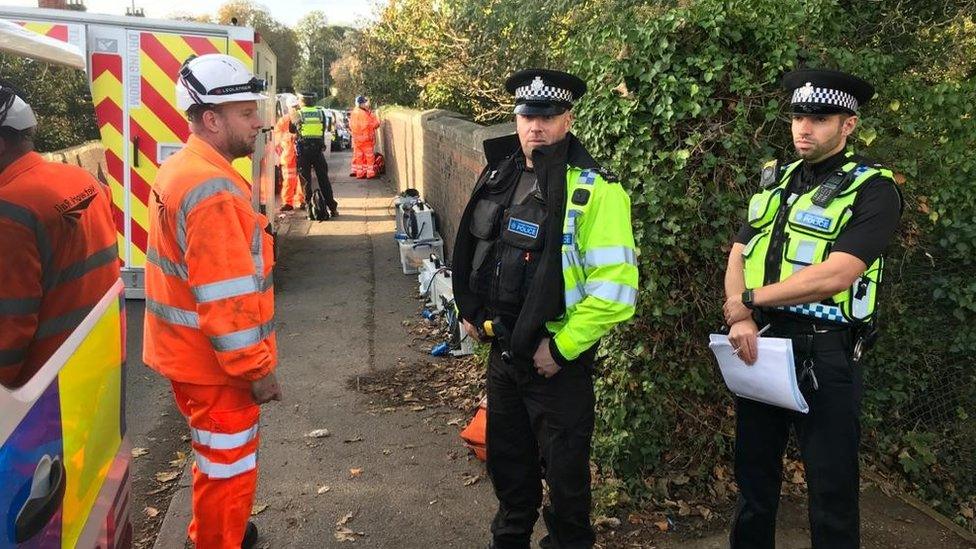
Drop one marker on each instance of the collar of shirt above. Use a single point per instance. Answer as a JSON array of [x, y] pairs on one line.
[[20, 166]]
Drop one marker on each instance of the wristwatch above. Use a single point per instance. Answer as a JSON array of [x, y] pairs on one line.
[[747, 298]]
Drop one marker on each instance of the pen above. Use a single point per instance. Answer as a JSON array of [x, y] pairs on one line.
[[759, 333]]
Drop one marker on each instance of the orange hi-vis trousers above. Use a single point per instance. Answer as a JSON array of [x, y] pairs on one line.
[[224, 430], [291, 191], [363, 158]]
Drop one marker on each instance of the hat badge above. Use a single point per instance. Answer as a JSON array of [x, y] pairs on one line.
[[806, 92], [537, 84]]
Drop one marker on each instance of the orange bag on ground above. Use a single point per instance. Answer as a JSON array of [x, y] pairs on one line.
[[379, 163], [474, 434]]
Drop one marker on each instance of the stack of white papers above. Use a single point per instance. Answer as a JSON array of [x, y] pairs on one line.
[[772, 379]]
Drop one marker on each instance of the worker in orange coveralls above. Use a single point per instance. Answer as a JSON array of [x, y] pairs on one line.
[[210, 295], [292, 195], [363, 124]]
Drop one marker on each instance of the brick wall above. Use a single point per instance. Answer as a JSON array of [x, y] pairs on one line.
[[90, 156], [439, 154]]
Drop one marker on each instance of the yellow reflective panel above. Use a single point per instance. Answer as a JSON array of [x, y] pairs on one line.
[[91, 391]]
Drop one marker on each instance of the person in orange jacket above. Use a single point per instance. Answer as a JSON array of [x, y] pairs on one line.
[[292, 195], [210, 295], [58, 245], [362, 125]]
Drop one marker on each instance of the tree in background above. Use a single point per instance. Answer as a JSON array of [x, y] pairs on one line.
[[455, 54], [60, 98], [320, 45], [347, 76], [279, 37]]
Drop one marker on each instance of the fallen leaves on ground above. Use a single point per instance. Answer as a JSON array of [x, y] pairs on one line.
[[358, 438], [470, 480], [180, 460], [139, 452], [323, 489], [344, 533], [151, 512], [427, 382], [356, 472], [318, 433], [258, 508], [167, 476]]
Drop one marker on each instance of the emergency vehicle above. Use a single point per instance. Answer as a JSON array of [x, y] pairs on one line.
[[64, 454], [133, 64]]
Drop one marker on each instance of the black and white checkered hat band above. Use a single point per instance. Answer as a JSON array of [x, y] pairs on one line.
[[825, 96], [543, 93]]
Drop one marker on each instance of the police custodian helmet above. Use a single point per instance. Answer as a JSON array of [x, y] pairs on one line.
[[826, 92], [543, 92]]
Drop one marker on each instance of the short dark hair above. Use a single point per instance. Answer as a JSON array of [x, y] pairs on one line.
[[195, 112]]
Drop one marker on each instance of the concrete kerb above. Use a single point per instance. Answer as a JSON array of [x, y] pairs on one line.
[[172, 532]]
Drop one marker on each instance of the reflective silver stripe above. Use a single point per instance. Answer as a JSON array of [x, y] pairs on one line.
[[233, 287], [243, 338], [200, 193], [66, 322], [611, 291], [168, 267], [12, 357], [226, 470], [257, 250], [574, 296], [804, 254], [23, 216], [19, 306], [173, 315], [610, 255], [98, 259], [223, 441]]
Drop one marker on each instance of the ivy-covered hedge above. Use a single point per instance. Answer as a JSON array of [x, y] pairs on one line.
[[684, 106]]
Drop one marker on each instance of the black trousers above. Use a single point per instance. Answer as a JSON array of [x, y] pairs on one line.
[[828, 438], [540, 428], [310, 156]]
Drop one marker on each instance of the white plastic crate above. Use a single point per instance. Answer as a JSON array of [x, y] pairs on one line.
[[414, 252]]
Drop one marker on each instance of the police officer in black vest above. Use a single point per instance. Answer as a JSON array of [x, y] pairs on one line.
[[808, 262], [544, 266]]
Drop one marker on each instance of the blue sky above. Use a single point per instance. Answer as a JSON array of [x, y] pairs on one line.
[[346, 12]]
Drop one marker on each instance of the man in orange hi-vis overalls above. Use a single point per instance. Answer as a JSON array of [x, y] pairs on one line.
[[210, 295], [292, 195], [362, 125]]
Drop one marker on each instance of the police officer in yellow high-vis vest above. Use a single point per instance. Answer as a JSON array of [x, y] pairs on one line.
[[808, 262], [544, 265], [313, 136]]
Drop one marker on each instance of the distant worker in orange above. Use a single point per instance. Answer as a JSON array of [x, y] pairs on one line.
[[210, 295], [363, 124], [292, 195], [58, 245]]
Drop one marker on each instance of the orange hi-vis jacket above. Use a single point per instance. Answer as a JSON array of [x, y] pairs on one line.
[[209, 286], [58, 257], [285, 139], [362, 125]]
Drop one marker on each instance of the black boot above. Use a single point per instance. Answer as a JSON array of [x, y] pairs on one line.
[[250, 536]]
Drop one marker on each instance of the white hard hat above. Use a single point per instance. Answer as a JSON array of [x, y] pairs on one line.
[[293, 101], [216, 78], [15, 112]]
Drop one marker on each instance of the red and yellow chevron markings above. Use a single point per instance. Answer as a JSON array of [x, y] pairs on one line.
[[51, 30]]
